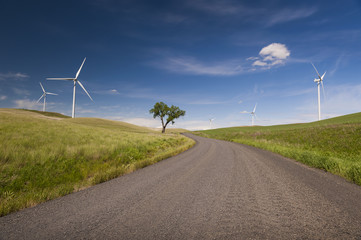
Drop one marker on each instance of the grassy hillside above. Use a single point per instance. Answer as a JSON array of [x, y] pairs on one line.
[[47, 155], [333, 144]]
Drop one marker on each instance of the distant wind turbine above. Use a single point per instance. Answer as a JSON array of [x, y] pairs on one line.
[[319, 81], [210, 122], [44, 96], [75, 80], [253, 113]]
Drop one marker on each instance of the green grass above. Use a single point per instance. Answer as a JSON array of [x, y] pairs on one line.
[[333, 144], [47, 155]]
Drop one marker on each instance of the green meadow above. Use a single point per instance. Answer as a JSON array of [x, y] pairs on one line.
[[47, 155], [333, 144]]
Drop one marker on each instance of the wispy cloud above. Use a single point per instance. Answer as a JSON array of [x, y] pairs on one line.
[[22, 92], [107, 92], [189, 65], [263, 14], [225, 7], [337, 64], [24, 103], [82, 110], [3, 97], [174, 18], [13, 76], [271, 55], [286, 15]]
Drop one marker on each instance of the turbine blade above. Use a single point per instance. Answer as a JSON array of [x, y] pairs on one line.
[[77, 74], [81, 85], [316, 70], [323, 76], [51, 93], [67, 79], [40, 98], [244, 112], [42, 87], [254, 110]]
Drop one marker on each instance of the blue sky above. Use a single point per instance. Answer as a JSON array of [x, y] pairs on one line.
[[213, 59]]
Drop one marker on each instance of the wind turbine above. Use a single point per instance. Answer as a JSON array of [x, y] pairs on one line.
[[319, 81], [210, 122], [44, 96], [253, 113], [75, 80]]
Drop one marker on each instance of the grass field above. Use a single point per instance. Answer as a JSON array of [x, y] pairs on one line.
[[47, 155], [333, 144]]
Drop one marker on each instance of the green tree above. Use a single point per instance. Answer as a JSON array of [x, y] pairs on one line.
[[162, 111]]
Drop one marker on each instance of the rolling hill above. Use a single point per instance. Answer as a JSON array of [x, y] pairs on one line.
[[332, 144], [47, 155]]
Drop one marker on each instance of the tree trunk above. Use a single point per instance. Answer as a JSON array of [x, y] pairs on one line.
[[163, 130]]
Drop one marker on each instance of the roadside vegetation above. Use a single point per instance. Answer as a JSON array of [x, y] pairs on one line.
[[47, 155], [333, 144]]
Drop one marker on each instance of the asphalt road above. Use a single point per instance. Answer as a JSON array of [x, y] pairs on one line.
[[216, 190]]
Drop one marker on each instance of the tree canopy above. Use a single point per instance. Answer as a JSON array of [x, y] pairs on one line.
[[166, 114]]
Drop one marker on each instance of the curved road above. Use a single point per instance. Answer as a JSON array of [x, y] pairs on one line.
[[216, 190]]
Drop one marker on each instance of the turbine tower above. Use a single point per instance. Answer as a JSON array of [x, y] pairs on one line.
[[319, 82], [210, 122], [75, 80], [253, 113], [44, 96]]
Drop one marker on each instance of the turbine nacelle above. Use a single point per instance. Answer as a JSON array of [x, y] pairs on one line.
[[253, 113]]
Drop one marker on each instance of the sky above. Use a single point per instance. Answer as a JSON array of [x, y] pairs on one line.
[[213, 59]]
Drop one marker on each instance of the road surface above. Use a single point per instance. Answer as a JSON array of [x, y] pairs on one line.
[[216, 190]]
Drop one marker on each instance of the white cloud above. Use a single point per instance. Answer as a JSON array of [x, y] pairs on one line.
[[3, 97], [259, 63], [16, 76], [275, 50], [271, 55]]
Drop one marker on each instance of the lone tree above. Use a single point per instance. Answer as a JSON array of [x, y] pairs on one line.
[[162, 110]]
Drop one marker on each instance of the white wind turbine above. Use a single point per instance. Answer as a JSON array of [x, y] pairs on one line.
[[75, 80], [210, 122], [253, 113], [319, 81], [44, 96]]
